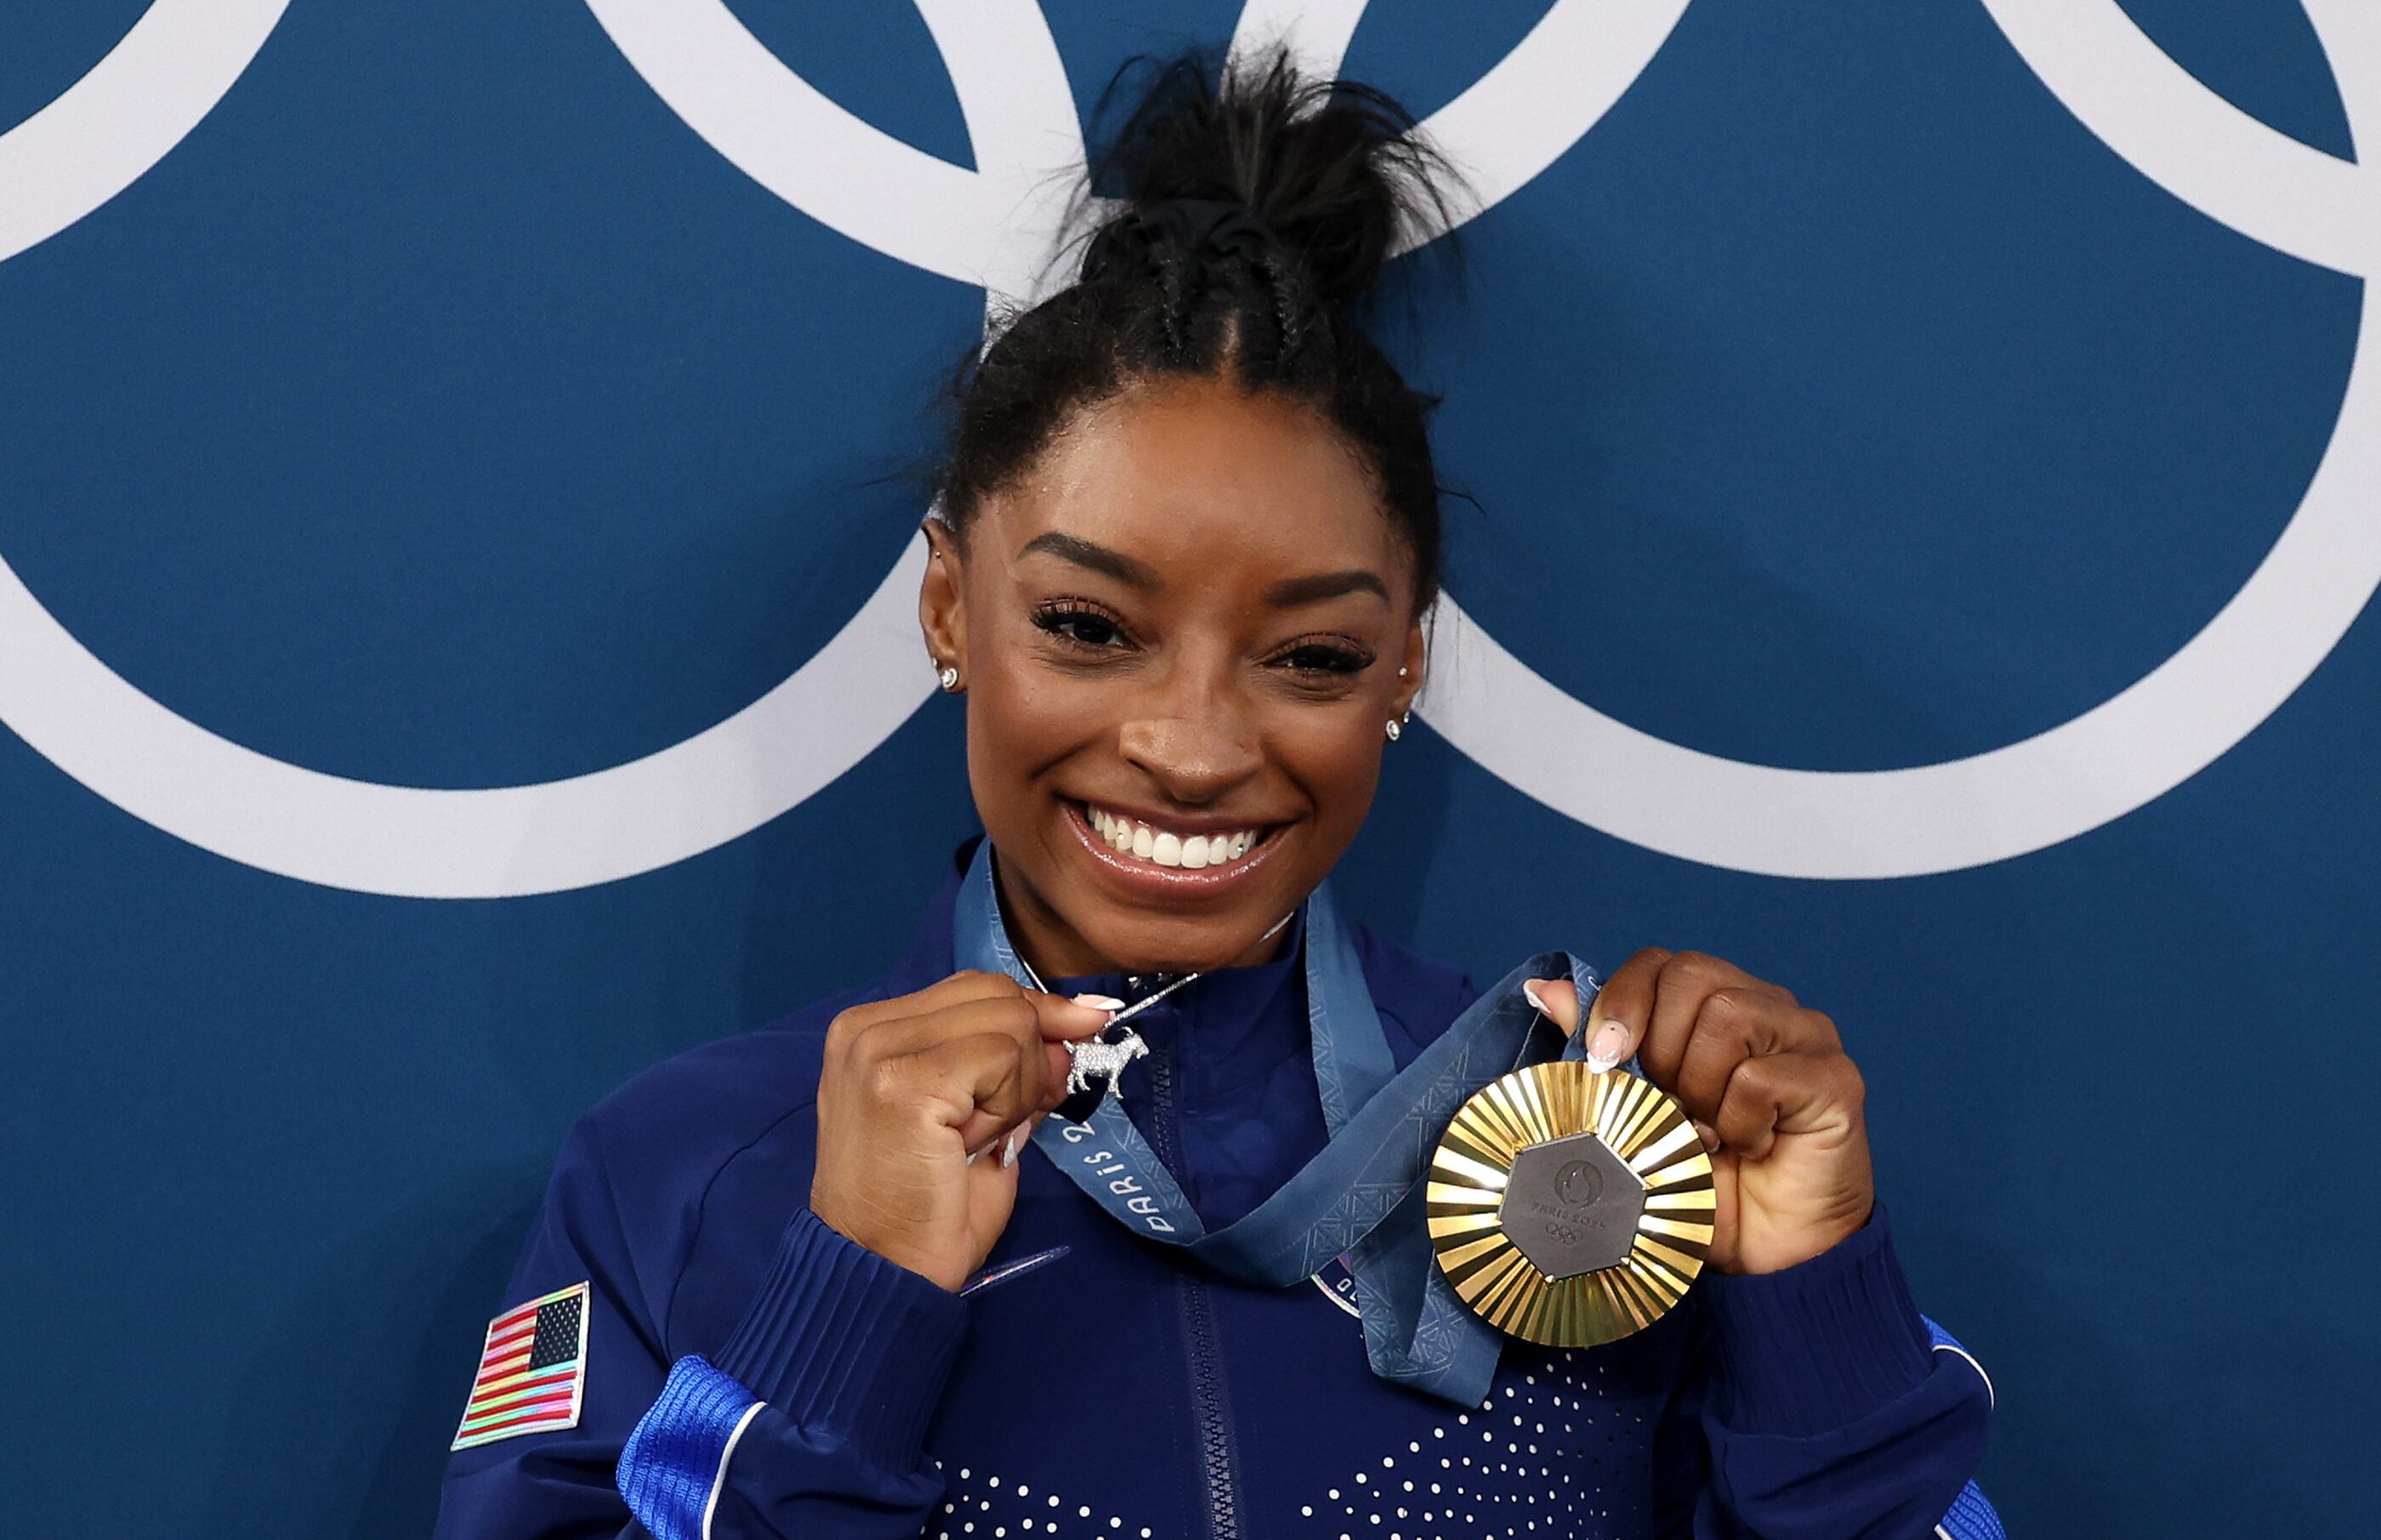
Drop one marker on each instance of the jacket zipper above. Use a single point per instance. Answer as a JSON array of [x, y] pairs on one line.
[[1211, 1420]]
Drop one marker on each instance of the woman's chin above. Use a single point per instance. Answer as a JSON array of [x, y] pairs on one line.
[[1178, 946]]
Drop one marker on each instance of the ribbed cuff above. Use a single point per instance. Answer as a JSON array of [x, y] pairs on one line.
[[670, 1468], [1821, 1344], [845, 1343]]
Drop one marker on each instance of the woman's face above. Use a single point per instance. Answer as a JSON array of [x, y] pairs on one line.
[[1180, 634]]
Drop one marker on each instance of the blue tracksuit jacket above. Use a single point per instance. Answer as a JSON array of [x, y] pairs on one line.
[[749, 1372]]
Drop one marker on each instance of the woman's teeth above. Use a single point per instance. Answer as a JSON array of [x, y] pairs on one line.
[[1164, 847]]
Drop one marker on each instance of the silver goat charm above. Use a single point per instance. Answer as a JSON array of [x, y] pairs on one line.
[[1105, 1060]]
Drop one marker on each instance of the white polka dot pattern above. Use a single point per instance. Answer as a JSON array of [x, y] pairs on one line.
[[1554, 1451], [978, 1505], [1527, 1463]]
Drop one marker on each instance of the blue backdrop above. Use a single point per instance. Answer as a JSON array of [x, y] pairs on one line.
[[448, 454]]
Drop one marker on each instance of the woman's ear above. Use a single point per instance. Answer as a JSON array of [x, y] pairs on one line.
[[1410, 667], [941, 600]]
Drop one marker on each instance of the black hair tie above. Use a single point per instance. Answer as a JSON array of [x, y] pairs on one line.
[[1203, 228]]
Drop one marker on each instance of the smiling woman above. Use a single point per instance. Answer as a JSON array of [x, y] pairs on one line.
[[1187, 622], [1187, 539]]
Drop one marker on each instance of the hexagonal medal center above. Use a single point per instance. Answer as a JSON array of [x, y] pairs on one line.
[[1571, 1206]]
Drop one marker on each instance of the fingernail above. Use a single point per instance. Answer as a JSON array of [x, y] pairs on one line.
[[1099, 1002], [1011, 1145], [1530, 993], [977, 1153], [1709, 1134], [1607, 1047]]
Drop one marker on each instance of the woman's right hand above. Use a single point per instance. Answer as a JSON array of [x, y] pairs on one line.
[[913, 1091]]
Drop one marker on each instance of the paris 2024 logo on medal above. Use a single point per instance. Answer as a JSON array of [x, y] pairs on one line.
[[994, 225]]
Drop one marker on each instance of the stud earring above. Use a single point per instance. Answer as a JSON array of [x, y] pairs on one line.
[[1393, 726], [1401, 672], [949, 678]]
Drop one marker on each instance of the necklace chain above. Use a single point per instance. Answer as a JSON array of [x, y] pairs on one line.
[[1147, 1000]]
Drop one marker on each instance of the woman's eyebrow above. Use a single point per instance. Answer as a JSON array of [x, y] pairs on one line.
[[1099, 558], [1324, 585], [1284, 594]]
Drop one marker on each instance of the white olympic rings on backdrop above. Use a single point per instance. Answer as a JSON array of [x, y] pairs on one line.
[[995, 227], [2153, 736], [125, 114]]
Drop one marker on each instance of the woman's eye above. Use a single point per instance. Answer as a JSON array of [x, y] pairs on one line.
[[1082, 626], [1316, 657]]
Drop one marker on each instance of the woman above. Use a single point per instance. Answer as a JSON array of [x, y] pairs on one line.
[[1187, 535]]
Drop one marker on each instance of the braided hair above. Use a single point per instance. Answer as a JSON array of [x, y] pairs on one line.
[[1256, 211]]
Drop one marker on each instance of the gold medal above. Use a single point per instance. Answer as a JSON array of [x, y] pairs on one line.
[[1569, 1207]]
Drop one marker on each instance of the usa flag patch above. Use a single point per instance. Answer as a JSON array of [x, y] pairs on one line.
[[532, 1371]]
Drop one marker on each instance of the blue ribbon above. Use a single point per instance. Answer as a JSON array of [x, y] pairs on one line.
[[1361, 1196]]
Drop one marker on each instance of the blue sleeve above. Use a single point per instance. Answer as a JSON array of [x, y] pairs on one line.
[[810, 1423], [557, 1485], [1825, 1412], [807, 1420]]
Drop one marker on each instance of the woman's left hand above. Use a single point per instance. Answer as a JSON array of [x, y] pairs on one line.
[[1769, 1087]]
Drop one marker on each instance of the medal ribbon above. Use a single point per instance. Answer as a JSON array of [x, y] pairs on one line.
[[1362, 1195]]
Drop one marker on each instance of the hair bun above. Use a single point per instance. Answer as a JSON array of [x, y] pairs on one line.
[[1200, 226], [1331, 170]]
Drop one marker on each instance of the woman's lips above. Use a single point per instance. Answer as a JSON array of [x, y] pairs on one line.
[[1151, 856]]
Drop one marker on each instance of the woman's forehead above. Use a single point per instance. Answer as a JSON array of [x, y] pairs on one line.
[[1182, 472]]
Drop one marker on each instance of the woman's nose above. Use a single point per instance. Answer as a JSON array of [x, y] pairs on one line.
[[1193, 760]]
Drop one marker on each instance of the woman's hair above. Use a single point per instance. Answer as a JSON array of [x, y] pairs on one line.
[[1254, 212]]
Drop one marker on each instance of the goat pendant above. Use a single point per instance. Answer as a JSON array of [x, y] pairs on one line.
[[1103, 1061]]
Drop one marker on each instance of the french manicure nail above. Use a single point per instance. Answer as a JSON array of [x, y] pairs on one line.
[[1011, 1145], [1530, 993], [1099, 1002], [1607, 1047]]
